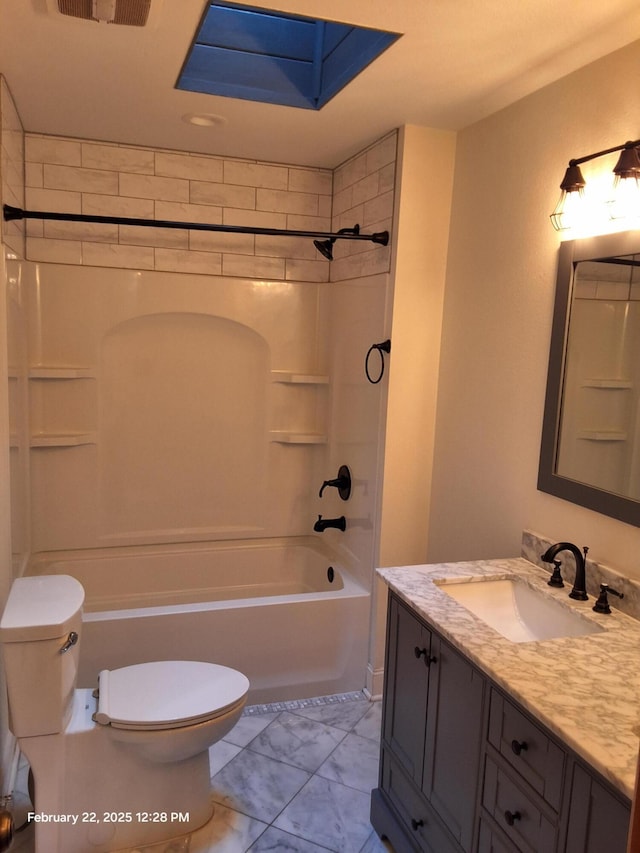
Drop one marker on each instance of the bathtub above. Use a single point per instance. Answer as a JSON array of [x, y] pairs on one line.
[[279, 610]]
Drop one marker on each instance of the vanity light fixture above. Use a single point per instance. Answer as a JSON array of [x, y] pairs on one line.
[[625, 201]]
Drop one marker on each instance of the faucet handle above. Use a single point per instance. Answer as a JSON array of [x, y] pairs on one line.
[[602, 604], [556, 577], [342, 483]]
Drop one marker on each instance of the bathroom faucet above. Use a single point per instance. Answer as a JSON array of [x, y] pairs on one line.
[[579, 590], [322, 523], [342, 483]]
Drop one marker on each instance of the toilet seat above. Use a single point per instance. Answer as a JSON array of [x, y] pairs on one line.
[[168, 694]]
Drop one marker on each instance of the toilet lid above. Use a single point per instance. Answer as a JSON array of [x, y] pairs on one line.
[[168, 694]]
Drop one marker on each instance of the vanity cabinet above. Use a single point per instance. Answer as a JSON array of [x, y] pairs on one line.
[[598, 820], [465, 770], [432, 733]]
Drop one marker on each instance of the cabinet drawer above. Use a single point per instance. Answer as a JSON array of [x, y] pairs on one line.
[[490, 840], [417, 816], [515, 813], [528, 749]]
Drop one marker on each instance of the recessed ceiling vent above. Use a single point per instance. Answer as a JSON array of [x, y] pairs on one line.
[[132, 13]]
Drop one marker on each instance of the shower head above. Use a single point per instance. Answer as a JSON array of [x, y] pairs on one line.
[[325, 247]]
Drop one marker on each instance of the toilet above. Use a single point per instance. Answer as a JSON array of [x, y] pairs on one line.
[[117, 767]]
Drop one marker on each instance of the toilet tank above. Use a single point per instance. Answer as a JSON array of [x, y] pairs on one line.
[[38, 619]]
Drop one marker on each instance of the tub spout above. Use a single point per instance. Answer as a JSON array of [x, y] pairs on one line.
[[323, 523]]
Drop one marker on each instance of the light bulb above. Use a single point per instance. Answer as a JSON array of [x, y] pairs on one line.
[[569, 211], [625, 202]]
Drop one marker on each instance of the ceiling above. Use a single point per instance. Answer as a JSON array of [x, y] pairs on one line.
[[457, 62]]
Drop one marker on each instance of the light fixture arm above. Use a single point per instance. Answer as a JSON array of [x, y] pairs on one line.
[[569, 209], [578, 160]]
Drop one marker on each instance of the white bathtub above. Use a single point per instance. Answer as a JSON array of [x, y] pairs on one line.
[[265, 607]]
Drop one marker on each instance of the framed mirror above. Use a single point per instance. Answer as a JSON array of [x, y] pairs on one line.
[[590, 450]]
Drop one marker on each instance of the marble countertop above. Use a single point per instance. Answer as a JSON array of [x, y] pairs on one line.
[[586, 690]]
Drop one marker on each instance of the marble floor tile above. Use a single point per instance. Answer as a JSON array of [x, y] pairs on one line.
[[248, 727], [220, 754], [228, 831], [277, 841], [328, 814], [354, 762], [374, 844], [298, 741], [370, 725], [342, 715], [257, 785], [266, 803]]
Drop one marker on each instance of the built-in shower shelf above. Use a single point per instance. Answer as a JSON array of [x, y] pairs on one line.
[[63, 439], [285, 437], [609, 384], [291, 378], [602, 435], [59, 372]]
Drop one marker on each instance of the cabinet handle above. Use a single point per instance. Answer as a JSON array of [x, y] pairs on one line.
[[518, 746], [428, 659], [512, 817], [416, 824]]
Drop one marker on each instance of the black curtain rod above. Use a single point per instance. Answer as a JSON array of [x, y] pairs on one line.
[[11, 213]]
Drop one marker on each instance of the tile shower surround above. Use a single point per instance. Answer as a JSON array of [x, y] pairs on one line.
[[11, 169], [292, 776], [82, 176]]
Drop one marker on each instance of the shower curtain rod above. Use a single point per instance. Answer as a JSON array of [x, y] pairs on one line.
[[11, 213]]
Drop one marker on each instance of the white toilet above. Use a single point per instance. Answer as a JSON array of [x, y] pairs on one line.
[[128, 767]]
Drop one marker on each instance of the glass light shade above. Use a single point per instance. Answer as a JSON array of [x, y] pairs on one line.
[[625, 202], [569, 212]]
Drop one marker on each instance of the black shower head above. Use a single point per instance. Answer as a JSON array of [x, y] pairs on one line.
[[325, 247]]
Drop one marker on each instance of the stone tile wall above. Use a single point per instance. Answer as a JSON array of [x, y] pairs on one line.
[[11, 169], [79, 176], [363, 189]]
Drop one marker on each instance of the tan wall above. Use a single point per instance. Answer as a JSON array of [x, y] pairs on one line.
[[497, 318]]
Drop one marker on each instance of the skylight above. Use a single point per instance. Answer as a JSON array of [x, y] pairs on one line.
[[260, 55]]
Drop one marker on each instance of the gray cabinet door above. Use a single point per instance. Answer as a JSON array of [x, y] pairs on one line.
[[406, 685], [453, 740], [598, 821]]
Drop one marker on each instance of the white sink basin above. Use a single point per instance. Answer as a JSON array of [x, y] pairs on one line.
[[518, 611]]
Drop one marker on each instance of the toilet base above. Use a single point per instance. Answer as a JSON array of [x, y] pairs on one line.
[[94, 794]]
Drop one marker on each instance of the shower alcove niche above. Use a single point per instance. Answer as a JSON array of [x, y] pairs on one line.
[[182, 420]]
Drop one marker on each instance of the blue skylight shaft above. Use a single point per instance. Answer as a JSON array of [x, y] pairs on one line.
[[259, 55]]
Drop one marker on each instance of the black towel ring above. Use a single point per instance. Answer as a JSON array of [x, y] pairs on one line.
[[383, 347]]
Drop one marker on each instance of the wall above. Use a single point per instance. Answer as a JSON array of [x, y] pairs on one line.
[[11, 244], [497, 319]]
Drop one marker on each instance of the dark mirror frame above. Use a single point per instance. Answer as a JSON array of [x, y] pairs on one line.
[[570, 254]]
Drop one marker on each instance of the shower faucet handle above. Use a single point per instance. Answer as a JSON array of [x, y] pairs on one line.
[[342, 483]]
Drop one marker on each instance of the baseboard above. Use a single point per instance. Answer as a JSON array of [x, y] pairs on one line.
[[374, 683]]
